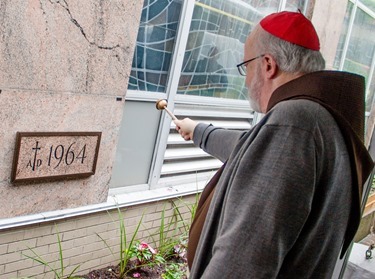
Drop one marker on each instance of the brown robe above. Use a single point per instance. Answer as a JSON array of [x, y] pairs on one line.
[[347, 110]]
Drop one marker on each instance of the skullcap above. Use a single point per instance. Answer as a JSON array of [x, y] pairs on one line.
[[292, 27]]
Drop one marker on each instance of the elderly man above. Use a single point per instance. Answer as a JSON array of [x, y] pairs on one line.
[[286, 201]]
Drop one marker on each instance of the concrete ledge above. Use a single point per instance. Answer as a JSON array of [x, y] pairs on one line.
[[114, 201]]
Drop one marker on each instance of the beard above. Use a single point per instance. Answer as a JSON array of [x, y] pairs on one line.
[[254, 90]]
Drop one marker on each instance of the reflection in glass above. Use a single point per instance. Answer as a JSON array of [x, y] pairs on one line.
[[361, 45], [155, 42], [295, 5], [370, 99], [343, 35], [215, 45], [361, 49]]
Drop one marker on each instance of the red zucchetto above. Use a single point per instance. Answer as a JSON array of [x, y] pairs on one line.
[[292, 27]]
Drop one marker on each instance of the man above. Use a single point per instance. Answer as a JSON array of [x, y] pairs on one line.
[[288, 199]]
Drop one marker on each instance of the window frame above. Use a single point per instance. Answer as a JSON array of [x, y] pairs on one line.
[[173, 99], [357, 5]]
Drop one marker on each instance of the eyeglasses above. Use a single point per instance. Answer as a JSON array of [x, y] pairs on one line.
[[242, 66]]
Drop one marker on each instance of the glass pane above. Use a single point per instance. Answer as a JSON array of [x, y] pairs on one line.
[[265, 7], [361, 48], [370, 99], [155, 43], [295, 5], [136, 144], [369, 4], [344, 33], [215, 45]]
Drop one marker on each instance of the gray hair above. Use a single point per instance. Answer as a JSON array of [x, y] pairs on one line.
[[289, 57]]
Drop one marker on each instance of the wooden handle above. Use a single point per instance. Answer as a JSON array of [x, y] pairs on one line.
[[170, 113]]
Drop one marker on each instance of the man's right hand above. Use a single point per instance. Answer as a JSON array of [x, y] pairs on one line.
[[186, 127]]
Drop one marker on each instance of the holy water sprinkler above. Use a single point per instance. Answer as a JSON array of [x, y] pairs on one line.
[[162, 104]]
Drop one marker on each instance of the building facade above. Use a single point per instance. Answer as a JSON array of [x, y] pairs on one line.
[[100, 66]]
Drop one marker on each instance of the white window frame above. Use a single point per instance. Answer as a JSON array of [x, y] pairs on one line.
[[357, 5], [234, 106]]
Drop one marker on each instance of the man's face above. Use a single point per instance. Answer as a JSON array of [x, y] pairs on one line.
[[254, 81], [254, 89]]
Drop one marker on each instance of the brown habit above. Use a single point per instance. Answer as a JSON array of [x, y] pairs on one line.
[[352, 127]]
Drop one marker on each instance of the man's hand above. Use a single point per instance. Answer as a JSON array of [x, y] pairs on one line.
[[185, 128]]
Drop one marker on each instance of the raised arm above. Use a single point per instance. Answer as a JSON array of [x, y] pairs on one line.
[[217, 142]]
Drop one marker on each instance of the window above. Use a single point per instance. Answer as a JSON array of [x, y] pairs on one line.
[[356, 50], [155, 43], [187, 53]]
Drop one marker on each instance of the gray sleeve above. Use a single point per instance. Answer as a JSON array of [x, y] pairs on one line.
[[217, 142], [266, 204]]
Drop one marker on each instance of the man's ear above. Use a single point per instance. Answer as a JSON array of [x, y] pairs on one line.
[[270, 66]]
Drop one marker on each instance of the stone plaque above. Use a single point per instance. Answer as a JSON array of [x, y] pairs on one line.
[[54, 155]]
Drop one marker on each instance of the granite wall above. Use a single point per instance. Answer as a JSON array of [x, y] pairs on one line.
[[64, 66]]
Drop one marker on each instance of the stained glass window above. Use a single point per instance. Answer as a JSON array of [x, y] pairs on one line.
[[155, 43]]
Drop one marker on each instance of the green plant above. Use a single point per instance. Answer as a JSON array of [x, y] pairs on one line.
[[145, 254], [372, 189], [125, 247], [173, 231], [180, 249], [173, 271], [59, 272], [172, 239], [167, 234], [192, 208]]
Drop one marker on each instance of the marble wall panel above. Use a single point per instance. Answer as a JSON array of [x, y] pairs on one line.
[[63, 63], [55, 112], [78, 46]]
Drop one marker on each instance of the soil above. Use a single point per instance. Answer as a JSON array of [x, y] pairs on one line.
[[113, 272]]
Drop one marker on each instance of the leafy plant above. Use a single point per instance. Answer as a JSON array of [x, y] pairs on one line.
[[145, 254], [173, 231], [125, 247], [167, 234], [59, 272], [192, 209], [173, 271], [180, 249], [172, 243]]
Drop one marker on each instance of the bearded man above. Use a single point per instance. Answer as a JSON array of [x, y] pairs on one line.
[[286, 202]]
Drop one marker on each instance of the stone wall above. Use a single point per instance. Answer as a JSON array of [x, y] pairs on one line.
[[64, 66]]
